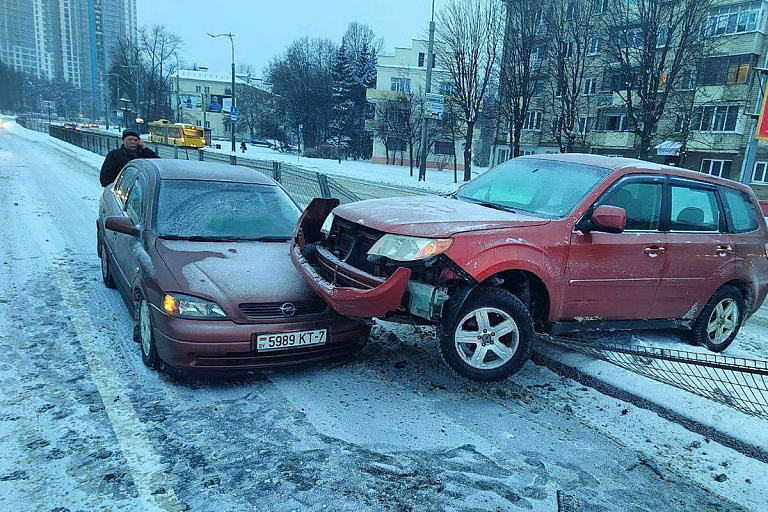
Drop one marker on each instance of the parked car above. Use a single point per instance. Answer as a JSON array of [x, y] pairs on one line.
[[552, 243], [262, 142], [199, 251]]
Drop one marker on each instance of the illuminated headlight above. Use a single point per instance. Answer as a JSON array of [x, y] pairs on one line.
[[184, 306], [409, 248], [326, 227]]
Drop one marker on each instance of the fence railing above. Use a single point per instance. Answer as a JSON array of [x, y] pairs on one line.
[[739, 383], [301, 184]]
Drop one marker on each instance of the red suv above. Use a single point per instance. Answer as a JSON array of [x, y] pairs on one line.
[[552, 243]]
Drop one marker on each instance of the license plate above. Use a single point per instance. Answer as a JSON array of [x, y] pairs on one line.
[[265, 342]]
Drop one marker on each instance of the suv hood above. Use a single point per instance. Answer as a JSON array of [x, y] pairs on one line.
[[234, 272], [431, 217]]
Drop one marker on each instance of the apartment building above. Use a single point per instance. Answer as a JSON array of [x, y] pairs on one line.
[[402, 76], [68, 39], [708, 120], [204, 98]]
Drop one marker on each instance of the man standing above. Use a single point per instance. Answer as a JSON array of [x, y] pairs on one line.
[[133, 147]]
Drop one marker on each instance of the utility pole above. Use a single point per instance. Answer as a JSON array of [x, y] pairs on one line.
[[427, 90], [233, 110]]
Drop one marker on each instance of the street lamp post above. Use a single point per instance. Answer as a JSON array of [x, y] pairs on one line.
[[231, 37], [427, 89]]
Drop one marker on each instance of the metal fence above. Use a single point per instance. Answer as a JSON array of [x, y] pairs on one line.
[[301, 184], [741, 384]]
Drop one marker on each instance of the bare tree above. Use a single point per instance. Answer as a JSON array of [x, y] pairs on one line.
[[650, 44], [522, 63], [468, 39], [573, 65], [157, 47]]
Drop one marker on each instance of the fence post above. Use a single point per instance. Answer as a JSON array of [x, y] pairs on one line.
[[175, 152], [276, 168], [232, 159], [200, 155], [322, 180]]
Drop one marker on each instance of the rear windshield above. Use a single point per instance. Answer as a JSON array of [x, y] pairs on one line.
[[224, 210], [544, 187]]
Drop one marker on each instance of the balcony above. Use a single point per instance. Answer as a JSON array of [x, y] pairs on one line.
[[618, 140], [381, 95]]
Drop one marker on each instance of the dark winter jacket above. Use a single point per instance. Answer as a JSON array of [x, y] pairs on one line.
[[116, 160]]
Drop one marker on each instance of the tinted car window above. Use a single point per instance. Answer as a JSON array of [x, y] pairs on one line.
[[124, 182], [544, 187], [641, 201], [694, 210], [741, 213], [214, 209], [135, 203]]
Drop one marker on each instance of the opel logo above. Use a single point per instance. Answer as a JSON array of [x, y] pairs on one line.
[[288, 309]]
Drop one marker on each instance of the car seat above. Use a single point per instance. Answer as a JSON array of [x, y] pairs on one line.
[[690, 218]]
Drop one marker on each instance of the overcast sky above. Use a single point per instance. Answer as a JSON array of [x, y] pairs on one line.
[[263, 29]]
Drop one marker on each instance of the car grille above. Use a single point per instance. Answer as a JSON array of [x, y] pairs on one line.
[[350, 242], [257, 311]]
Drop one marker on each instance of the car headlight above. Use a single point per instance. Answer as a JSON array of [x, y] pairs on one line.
[[326, 227], [409, 248], [185, 306]]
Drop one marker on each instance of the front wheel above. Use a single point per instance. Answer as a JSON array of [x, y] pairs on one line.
[[146, 338], [720, 320], [490, 337]]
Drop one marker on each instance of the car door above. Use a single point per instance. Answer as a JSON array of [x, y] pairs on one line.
[[128, 247], [113, 204], [699, 249], [615, 276]]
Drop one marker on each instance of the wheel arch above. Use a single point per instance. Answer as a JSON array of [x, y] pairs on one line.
[[529, 288]]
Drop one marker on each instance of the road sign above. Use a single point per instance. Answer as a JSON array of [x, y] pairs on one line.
[[762, 124], [434, 105], [233, 115]]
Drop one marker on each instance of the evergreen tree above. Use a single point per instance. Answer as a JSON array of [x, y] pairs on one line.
[[343, 103]]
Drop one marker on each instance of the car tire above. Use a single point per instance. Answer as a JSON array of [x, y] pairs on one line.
[[463, 337], [106, 266], [720, 320], [146, 338]]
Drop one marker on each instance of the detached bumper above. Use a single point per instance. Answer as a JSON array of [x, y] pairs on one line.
[[368, 297]]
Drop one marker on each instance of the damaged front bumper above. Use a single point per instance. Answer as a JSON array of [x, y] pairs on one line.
[[351, 291]]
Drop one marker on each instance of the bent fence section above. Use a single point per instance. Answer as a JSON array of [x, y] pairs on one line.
[[738, 383]]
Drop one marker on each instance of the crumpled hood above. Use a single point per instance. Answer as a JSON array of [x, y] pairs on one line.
[[235, 272], [431, 217]]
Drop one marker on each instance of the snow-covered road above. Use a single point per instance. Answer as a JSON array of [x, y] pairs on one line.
[[84, 426]]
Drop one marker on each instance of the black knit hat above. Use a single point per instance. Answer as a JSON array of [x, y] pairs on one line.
[[129, 132]]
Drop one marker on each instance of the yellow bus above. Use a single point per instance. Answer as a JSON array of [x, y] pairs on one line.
[[174, 134]]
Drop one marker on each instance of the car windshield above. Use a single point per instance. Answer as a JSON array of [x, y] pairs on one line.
[[544, 187], [219, 210]]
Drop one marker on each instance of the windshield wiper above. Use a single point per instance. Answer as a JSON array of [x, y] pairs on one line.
[[487, 204], [227, 238]]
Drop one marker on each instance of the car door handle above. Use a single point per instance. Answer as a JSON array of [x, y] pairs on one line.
[[654, 250], [724, 250]]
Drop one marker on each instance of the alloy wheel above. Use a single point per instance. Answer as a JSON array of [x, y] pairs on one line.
[[486, 338], [723, 321]]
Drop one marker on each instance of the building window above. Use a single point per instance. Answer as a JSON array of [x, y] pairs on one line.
[[421, 59], [532, 120], [728, 69], [735, 19], [720, 168], [447, 88], [616, 123], [197, 88], [663, 37], [715, 118], [687, 80], [594, 44], [207, 90], [761, 173], [566, 48], [401, 84], [585, 124], [503, 155], [444, 148], [600, 6], [572, 10], [589, 87], [630, 37], [207, 124]]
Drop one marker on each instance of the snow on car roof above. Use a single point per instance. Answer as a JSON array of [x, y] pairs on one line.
[[208, 171]]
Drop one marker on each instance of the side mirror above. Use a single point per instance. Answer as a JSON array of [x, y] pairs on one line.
[[610, 219], [121, 225]]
